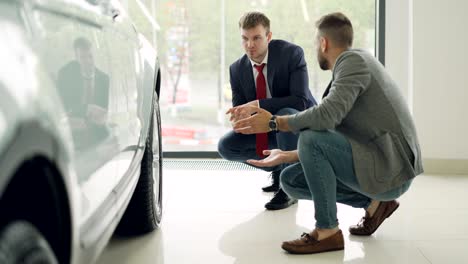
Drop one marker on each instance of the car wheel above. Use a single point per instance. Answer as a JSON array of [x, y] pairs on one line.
[[144, 211], [20, 242]]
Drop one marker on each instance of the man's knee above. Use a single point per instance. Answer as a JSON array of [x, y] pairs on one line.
[[234, 146], [286, 111], [309, 141], [310, 138], [224, 145]]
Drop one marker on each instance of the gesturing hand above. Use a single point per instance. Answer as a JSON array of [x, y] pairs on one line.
[[254, 124], [241, 111], [275, 157]]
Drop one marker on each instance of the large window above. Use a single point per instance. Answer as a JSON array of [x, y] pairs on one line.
[[198, 40]]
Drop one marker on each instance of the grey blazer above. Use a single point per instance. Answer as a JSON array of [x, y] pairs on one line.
[[365, 105]]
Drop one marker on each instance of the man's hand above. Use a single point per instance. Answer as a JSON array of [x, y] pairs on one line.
[[275, 157], [77, 123], [97, 114], [254, 124], [241, 111]]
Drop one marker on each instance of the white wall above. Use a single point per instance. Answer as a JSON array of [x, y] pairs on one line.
[[398, 44], [427, 53]]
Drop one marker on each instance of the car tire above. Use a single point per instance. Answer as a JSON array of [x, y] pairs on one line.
[[20, 242], [144, 211]]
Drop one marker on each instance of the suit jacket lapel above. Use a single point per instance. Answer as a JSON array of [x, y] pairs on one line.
[[270, 75], [327, 90], [270, 71], [248, 83]]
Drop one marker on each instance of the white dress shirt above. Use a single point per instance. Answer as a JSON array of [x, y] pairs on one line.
[[255, 74]]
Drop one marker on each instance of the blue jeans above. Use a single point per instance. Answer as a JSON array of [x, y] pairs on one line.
[[239, 147], [325, 174]]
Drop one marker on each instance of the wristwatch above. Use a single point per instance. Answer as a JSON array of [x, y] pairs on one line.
[[272, 124]]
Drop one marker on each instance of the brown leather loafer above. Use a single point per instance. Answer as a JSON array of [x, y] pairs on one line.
[[308, 244], [368, 225]]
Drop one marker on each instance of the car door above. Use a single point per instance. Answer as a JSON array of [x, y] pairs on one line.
[[123, 48], [70, 41]]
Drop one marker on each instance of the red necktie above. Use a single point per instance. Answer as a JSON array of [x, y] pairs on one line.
[[261, 139]]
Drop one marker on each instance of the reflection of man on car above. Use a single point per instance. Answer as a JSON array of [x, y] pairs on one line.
[[84, 90]]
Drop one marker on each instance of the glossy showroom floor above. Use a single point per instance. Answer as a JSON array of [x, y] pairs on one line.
[[216, 216]]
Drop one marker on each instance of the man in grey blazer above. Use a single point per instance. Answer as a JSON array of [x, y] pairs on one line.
[[272, 75], [358, 147]]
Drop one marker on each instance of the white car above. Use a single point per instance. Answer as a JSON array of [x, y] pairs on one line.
[[80, 141]]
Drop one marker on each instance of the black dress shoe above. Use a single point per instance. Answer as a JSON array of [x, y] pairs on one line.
[[280, 201], [274, 187]]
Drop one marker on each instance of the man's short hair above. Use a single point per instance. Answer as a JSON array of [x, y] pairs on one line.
[[252, 19], [337, 27], [82, 43]]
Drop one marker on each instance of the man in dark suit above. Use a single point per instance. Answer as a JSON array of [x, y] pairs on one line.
[[271, 75], [84, 90]]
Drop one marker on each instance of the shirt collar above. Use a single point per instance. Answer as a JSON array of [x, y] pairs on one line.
[[265, 60]]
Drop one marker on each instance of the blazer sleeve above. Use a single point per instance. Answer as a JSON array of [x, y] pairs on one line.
[[238, 97], [351, 79], [298, 86]]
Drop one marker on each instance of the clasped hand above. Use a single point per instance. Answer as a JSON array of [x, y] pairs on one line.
[[242, 111], [248, 119]]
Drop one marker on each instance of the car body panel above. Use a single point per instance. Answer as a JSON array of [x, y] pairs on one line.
[[99, 167]]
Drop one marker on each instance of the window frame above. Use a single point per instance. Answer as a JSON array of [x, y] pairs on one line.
[[379, 53]]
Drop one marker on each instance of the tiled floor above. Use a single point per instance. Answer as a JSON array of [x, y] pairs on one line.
[[218, 217]]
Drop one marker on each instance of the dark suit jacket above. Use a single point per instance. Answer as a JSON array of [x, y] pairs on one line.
[[287, 79], [71, 88], [70, 85]]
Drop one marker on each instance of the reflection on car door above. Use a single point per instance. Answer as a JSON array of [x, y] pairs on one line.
[[125, 67], [79, 63]]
